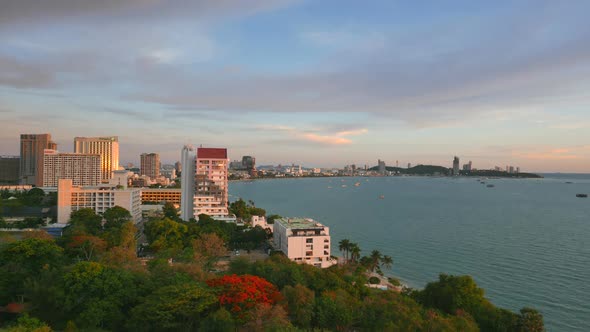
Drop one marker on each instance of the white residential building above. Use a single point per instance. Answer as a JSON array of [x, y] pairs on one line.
[[82, 168], [303, 241], [211, 195], [99, 198]]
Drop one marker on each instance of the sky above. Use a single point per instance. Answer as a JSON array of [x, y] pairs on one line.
[[321, 83]]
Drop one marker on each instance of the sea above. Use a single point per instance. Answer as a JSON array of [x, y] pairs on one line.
[[525, 241]]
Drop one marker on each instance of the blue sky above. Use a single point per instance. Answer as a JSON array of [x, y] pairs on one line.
[[321, 83]]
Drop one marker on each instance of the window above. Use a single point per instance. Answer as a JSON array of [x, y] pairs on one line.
[[308, 240]]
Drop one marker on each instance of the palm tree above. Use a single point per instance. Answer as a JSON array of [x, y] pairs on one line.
[[344, 247], [375, 259], [387, 262], [355, 251]]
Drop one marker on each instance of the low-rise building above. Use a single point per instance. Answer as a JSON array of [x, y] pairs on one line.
[[159, 195], [303, 240], [99, 198], [261, 221]]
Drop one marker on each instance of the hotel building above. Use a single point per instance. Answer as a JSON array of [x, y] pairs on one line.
[[204, 179], [99, 198], [211, 182], [83, 169], [303, 241], [106, 147], [32, 148], [150, 165], [159, 195]]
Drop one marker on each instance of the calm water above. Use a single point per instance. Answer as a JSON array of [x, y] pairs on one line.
[[526, 242]]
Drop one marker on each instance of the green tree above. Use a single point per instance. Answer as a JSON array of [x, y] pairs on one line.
[[355, 252], [170, 211], [219, 321], [299, 302], [173, 308], [387, 262], [344, 247], [24, 259], [530, 320], [25, 323], [85, 220], [165, 234], [98, 296], [115, 217]]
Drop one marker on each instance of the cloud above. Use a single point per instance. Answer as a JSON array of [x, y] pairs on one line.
[[563, 153], [315, 135]]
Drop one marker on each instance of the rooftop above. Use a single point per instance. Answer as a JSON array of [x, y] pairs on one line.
[[299, 223], [212, 153]]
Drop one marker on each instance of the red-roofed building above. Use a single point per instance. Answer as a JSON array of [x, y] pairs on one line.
[[211, 153], [211, 196]]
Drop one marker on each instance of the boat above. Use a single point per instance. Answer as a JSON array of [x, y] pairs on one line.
[[357, 184], [582, 195], [343, 186], [381, 197], [569, 182], [490, 186]]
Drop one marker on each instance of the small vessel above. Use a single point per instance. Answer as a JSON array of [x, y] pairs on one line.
[[343, 186], [381, 197], [582, 195], [357, 184], [329, 187], [569, 182], [490, 186]]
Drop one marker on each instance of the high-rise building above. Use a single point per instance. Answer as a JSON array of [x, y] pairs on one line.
[[9, 168], [467, 167], [32, 147], [211, 195], [456, 166], [204, 183], [82, 168], [187, 182], [178, 167], [381, 166], [150, 165], [106, 147]]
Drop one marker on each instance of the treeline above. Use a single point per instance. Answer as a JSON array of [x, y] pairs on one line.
[[91, 279]]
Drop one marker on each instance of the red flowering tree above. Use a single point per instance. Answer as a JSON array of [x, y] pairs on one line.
[[241, 293]]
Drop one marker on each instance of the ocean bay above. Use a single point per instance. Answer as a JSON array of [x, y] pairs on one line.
[[524, 241]]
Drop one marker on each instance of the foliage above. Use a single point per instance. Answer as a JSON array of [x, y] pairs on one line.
[[84, 220], [170, 211], [244, 210], [25, 323], [241, 293], [299, 302], [172, 308], [165, 234], [374, 281], [115, 217]]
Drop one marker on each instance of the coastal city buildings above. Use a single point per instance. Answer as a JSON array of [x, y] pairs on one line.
[[204, 182], [161, 195], [456, 163], [468, 167], [187, 182], [303, 241], [150, 165], [98, 198], [9, 168], [106, 147], [211, 195], [32, 147], [382, 169], [82, 168]]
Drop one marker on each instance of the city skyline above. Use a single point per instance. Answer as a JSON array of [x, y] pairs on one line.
[[321, 84]]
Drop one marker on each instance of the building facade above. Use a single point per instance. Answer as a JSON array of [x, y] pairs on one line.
[[456, 163], [159, 195], [187, 182], [32, 148], [99, 198], [106, 147], [150, 165], [303, 241], [211, 195], [9, 169], [82, 168]]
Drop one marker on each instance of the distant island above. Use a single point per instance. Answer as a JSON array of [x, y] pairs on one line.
[[432, 170]]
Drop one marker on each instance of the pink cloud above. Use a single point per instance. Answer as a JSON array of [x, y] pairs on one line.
[[332, 140]]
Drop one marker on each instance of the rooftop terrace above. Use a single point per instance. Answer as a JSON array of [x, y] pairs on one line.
[[299, 223]]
